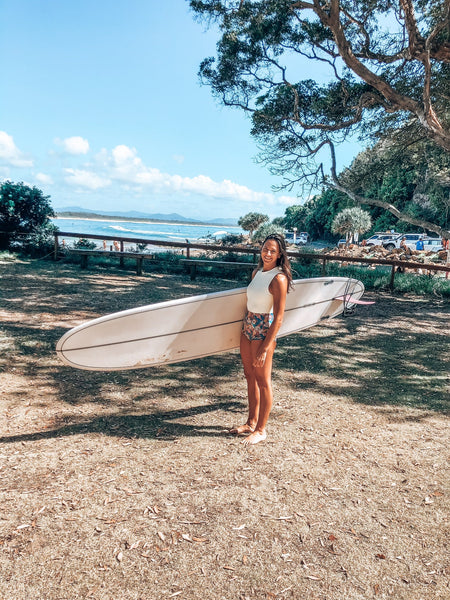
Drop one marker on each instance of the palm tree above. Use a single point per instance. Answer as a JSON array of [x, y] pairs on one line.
[[351, 222]]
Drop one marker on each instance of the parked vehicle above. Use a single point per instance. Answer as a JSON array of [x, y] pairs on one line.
[[411, 239], [381, 238], [300, 238], [432, 244]]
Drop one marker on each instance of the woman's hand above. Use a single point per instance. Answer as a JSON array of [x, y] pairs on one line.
[[260, 358]]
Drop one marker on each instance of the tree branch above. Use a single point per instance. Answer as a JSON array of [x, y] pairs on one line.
[[392, 209], [428, 119]]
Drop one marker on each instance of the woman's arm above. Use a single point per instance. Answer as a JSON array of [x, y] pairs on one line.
[[278, 288]]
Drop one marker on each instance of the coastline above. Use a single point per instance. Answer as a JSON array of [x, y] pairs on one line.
[[140, 221]]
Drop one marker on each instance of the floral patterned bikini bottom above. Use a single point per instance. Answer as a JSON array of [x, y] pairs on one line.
[[255, 325]]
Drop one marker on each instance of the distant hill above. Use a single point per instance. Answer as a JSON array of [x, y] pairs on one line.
[[79, 212]]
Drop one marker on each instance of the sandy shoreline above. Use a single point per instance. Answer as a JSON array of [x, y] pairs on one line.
[[148, 221]]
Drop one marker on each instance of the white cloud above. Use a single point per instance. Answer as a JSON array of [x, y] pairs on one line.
[[10, 153], [43, 178], [123, 164], [86, 179], [74, 145]]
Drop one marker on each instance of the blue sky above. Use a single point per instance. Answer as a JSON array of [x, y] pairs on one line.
[[101, 108]]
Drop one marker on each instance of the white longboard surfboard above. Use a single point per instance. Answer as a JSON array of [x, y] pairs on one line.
[[194, 327]]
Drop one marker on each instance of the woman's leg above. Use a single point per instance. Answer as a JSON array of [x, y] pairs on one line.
[[247, 356], [263, 381]]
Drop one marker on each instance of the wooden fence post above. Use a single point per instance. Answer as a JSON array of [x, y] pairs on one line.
[[139, 265], [122, 262], [55, 248], [391, 282]]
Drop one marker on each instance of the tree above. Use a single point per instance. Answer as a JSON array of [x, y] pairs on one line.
[[352, 222], [414, 179], [24, 211], [266, 229], [295, 216], [252, 221], [387, 67]]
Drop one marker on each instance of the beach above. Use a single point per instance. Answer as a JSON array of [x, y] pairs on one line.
[[170, 231]]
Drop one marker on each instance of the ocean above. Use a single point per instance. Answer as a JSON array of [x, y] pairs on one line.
[[157, 231]]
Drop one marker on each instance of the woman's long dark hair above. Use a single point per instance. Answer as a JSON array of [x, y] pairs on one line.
[[282, 260]]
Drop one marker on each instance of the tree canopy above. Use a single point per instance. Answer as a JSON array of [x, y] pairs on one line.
[[266, 229], [386, 66], [24, 210], [351, 222], [252, 221], [414, 179]]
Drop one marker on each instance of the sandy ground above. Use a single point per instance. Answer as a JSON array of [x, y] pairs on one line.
[[126, 485]]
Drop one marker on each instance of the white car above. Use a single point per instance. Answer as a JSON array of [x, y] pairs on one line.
[[433, 244], [382, 239], [300, 238], [411, 239]]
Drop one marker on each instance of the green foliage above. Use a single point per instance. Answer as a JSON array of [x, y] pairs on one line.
[[295, 216], [278, 221], [374, 82], [232, 239], [24, 216], [351, 222], [414, 178], [266, 229], [316, 215], [322, 210], [252, 221], [40, 242], [84, 244]]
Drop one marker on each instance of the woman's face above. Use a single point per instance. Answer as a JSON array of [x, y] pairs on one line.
[[269, 254]]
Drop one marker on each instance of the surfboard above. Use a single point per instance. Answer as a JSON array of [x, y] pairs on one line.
[[194, 327]]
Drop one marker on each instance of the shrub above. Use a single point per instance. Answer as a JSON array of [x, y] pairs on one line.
[[84, 244]]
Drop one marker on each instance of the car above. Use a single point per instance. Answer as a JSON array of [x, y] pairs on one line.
[[432, 244], [300, 238], [411, 239], [381, 238]]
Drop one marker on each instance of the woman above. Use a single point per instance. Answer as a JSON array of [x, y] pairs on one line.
[[266, 292]]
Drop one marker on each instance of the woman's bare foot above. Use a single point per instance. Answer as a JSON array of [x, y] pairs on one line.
[[254, 438], [242, 429]]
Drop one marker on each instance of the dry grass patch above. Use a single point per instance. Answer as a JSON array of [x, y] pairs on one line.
[[126, 485]]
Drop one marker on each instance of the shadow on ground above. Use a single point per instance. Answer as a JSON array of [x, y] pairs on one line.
[[391, 355], [157, 425]]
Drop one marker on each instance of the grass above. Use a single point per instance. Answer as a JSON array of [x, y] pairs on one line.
[[126, 485], [373, 279]]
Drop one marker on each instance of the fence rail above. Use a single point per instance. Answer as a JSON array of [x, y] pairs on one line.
[[188, 246]]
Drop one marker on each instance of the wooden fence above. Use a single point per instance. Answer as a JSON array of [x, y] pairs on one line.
[[187, 246]]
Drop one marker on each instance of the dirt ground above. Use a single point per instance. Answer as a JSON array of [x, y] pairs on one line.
[[127, 485]]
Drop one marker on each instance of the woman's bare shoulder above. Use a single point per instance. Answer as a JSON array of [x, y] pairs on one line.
[[281, 277], [280, 281]]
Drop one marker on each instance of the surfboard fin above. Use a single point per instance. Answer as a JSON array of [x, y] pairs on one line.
[[350, 303], [349, 299]]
